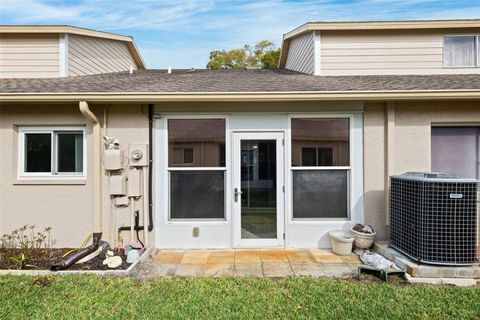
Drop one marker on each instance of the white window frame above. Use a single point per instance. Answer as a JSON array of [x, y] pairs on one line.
[[348, 169], [476, 54], [168, 170], [53, 174]]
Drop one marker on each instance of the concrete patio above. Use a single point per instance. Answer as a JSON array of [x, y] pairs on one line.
[[268, 263]]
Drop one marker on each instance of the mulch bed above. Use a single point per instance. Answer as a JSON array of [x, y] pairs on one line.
[[43, 259]]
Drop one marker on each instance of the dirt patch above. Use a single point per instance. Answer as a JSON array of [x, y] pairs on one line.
[[394, 279], [43, 259]]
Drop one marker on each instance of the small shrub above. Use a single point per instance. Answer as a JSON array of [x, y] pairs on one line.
[[23, 243]]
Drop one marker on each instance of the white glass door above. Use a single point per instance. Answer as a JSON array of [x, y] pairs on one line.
[[258, 189]]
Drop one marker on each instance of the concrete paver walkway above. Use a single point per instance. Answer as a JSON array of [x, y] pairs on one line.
[[269, 263]]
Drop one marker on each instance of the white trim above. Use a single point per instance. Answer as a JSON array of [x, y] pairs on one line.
[[354, 170], [164, 170], [220, 234], [476, 53], [53, 131], [317, 53], [63, 54], [278, 137]]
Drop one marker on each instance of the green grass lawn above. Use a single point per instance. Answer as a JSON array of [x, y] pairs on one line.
[[87, 297]]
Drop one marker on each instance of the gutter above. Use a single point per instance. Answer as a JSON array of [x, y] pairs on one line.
[[149, 97]]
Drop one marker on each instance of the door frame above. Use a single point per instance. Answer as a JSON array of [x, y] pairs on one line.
[[237, 137]]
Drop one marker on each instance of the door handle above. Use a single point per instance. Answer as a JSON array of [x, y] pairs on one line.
[[236, 193]]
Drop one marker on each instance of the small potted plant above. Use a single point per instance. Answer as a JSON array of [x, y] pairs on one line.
[[364, 236]]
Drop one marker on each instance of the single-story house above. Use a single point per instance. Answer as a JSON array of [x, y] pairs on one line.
[[92, 141]]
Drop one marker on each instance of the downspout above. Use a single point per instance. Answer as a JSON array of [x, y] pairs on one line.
[[97, 193], [97, 168]]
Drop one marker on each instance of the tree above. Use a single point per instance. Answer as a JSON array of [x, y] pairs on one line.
[[263, 55]]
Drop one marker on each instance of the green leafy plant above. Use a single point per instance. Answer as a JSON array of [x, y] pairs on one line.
[[264, 55], [20, 262]]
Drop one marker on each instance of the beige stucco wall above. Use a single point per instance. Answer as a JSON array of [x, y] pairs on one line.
[[67, 208], [411, 148]]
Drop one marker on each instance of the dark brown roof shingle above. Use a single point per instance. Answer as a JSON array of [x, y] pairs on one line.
[[240, 80]]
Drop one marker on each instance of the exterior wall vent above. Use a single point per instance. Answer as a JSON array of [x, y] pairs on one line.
[[434, 218]]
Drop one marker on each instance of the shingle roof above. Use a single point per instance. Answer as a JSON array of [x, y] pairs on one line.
[[256, 80]]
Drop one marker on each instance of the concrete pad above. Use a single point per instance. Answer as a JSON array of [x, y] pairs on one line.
[[337, 271], [307, 270], [435, 281], [328, 259], [322, 252], [277, 269], [218, 270], [170, 256], [195, 257], [153, 269], [248, 256], [190, 270], [222, 256], [351, 259], [248, 270], [300, 256], [273, 255], [460, 282], [425, 270]]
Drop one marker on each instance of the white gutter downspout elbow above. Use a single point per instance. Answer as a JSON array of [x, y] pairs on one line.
[[97, 169]]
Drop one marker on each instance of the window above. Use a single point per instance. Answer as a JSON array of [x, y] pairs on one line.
[[320, 167], [321, 156], [183, 156], [52, 152], [456, 150], [461, 51], [196, 168]]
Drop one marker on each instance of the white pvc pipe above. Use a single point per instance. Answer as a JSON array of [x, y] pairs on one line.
[[145, 206], [132, 220]]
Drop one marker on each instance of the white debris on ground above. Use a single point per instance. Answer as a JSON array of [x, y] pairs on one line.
[[376, 260], [112, 261]]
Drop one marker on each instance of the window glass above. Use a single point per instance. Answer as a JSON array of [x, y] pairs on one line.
[[325, 156], [205, 138], [460, 51], [188, 155], [197, 194], [38, 152], [320, 194], [70, 152], [320, 142]]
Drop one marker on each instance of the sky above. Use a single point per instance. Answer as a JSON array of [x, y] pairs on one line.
[[181, 33]]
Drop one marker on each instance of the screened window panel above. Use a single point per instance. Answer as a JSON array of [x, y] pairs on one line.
[[197, 194], [205, 138], [460, 51], [70, 152], [313, 136], [38, 152], [320, 194], [455, 150]]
